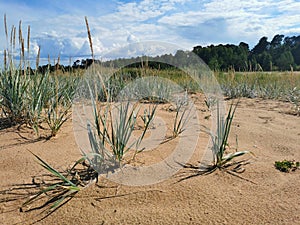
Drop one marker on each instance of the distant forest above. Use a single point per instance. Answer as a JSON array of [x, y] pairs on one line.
[[282, 53], [279, 54]]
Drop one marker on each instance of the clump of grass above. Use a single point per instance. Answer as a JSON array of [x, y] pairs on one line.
[[111, 130], [38, 93], [182, 115], [13, 88], [57, 115], [148, 116], [59, 104], [64, 187], [27, 96], [294, 98], [287, 165], [220, 139], [13, 82], [114, 124], [275, 85], [210, 102], [222, 159]]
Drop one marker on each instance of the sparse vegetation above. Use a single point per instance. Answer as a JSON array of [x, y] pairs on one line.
[[294, 98], [275, 85], [287, 165], [44, 98]]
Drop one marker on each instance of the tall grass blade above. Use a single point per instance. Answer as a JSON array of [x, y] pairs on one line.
[[55, 172], [220, 139]]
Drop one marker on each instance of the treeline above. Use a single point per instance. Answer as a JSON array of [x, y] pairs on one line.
[[78, 64], [281, 53]]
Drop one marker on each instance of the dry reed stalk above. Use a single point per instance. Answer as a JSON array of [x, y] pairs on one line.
[[93, 58], [14, 37], [23, 48], [57, 64], [5, 27], [5, 60], [37, 62], [28, 46], [20, 32], [28, 40], [22, 58], [58, 60], [90, 37]]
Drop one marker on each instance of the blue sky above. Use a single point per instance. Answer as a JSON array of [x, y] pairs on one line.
[[59, 26]]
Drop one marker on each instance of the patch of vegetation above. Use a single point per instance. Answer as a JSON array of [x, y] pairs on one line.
[[287, 165], [222, 159], [220, 139], [183, 110], [276, 85], [30, 97], [56, 188]]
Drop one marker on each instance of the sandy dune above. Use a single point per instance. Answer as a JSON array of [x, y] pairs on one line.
[[261, 195]]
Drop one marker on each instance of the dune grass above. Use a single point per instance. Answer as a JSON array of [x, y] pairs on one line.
[[267, 85], [183, 111], [220, 139], [114, 124], [29, 97], [52, 190]]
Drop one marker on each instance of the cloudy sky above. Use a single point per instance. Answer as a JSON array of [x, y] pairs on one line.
[[59, 26]]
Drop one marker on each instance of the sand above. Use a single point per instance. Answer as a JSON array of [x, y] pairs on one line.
[[259, 195]]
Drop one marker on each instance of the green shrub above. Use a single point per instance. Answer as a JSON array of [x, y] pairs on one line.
[[287, 165]]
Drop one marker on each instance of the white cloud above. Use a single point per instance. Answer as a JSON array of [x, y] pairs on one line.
[[149, 48], [235, 20], [132, 38]]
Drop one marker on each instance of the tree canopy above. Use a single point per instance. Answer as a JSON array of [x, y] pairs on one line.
[[282, 53]]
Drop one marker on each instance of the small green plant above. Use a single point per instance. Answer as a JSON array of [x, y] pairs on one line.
[[210, 102], [221, 158], [114, 124], [145, 117], [148, 116], [182, 115], [57, 115], [294, 98], [219, 140], [64, 186], [287, 165]]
